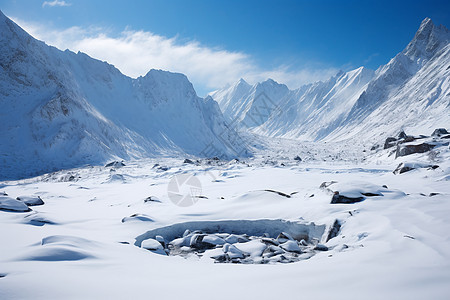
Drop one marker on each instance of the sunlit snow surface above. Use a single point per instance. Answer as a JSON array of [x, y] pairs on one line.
[[81, 243]]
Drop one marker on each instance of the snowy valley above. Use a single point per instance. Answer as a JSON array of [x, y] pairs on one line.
[[113, 187]]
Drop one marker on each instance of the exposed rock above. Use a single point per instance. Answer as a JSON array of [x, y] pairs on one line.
[[298, 158], [337, 198], [198, 243], [279, 193], [439, 132], [31, 200], [326, 184], [402, 168], [152, 199], [137, 217], [188, 161], [402, 135], [321, 247], [406, 167], [115, 164], [390, 142], [334, 230], [403, 150]]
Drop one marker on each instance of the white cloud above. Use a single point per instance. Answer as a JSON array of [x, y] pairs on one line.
[[134, 53], [55, 3]]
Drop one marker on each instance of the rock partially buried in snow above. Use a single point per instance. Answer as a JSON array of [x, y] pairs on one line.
[[439, 132], [115, 164], [137, 217], [407, 149], [11, 204], [341, 199], [31, 200], [153, 246]]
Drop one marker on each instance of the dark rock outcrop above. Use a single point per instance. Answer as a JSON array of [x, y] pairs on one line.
[[337, 198], [404, 150]]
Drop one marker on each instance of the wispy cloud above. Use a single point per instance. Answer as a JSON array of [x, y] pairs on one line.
[[55, 3], [134, 53]]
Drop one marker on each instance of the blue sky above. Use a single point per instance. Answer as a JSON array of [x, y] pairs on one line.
[[217, 42]]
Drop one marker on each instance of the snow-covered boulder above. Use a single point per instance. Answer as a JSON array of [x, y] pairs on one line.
[[11, 204], [31, 200]]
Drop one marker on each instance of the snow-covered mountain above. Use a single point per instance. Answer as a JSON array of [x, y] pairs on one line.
[[412, 91], [59, 109]]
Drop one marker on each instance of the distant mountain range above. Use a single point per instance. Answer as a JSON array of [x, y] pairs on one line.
[[410, 92], [60, 109]]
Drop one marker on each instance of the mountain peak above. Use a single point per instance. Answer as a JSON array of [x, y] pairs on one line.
[[427, 40]]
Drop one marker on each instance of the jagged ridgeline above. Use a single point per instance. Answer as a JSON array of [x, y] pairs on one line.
[[411, 91]]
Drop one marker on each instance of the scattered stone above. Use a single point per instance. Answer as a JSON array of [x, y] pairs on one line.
[[297, 158], [115, 164], [337, 198], [320, 247], [137, 217], [433, 194], [31, 200], [152, 199], [13, 205], [385, 186], [409, 237], [188, 161], [4, 194], [163, 169]]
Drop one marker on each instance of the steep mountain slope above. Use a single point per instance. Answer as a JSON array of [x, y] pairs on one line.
[[250, 105], [412, 91], [61, 109]]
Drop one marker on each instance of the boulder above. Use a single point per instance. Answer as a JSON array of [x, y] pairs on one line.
[[151, 199], [154, 246], [298, 158], [31, 200], [402, 135], [188, 161], [115, 164], [11, 204], [439, 132], [337, 198], [321, 247], [404, 150], [197, 243], [390, 142]]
